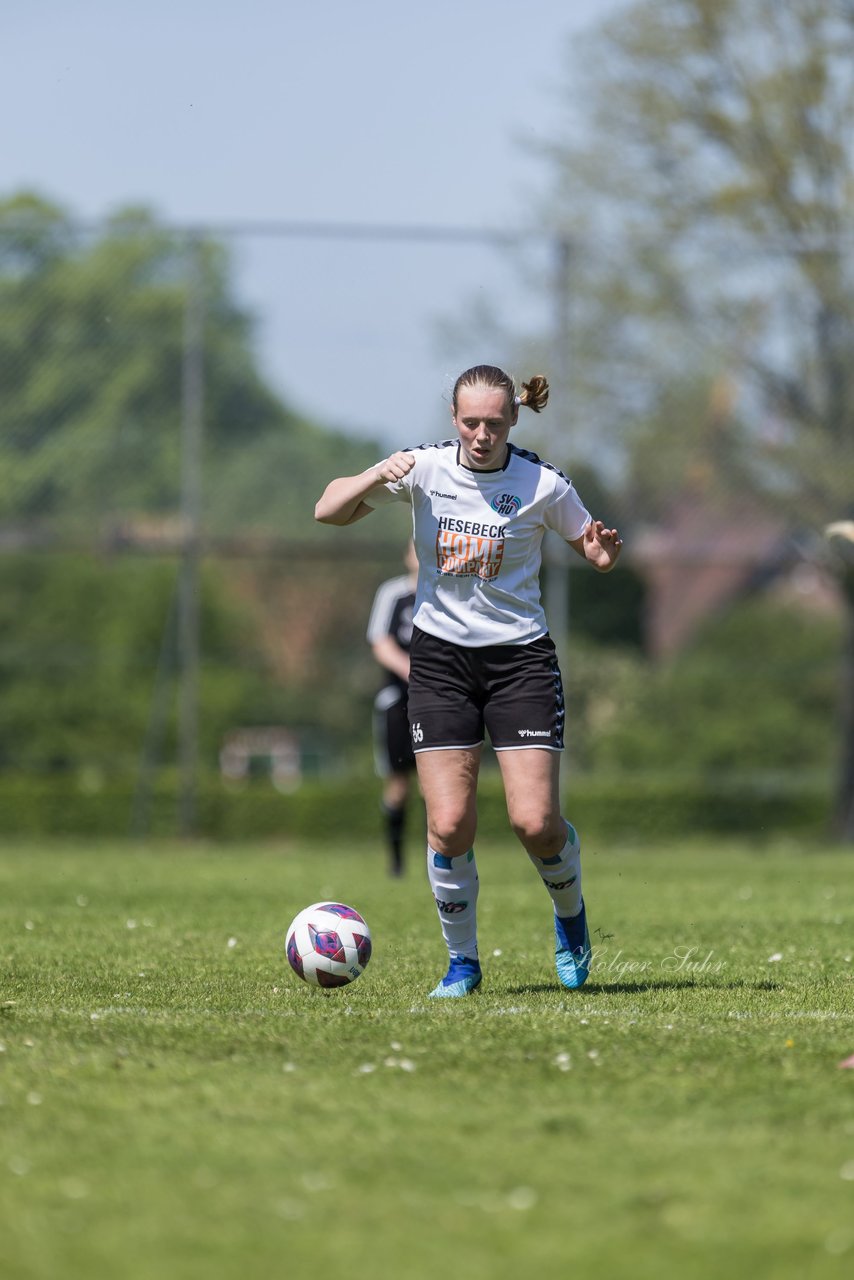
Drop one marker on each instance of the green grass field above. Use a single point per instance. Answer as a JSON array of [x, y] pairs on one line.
[[174, 1103]]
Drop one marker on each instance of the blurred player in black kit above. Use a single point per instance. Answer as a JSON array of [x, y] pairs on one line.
[[389, 635]]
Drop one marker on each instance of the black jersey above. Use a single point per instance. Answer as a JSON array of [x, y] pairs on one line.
[[391, 615]]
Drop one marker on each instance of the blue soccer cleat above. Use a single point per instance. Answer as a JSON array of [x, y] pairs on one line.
[[572, 949], [461, 979]]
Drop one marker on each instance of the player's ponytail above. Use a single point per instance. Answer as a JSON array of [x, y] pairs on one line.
[[534, 394]]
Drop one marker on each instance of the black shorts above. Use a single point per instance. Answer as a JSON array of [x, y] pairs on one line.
[[512, 690], [392, 741]]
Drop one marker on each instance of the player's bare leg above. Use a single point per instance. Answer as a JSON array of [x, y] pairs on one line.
[[448, 781], [395, 796], [531, 780]]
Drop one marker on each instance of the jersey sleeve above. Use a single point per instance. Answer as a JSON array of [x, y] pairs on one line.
[[396, 491], [566, 513]]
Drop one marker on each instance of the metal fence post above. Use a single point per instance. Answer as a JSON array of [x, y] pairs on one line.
[[192, 430], [557, 553]]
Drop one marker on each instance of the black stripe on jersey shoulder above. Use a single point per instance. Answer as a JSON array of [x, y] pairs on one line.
[[529, 456], [435, 444]]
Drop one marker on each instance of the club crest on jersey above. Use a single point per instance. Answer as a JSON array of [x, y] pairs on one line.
[[506, 504]]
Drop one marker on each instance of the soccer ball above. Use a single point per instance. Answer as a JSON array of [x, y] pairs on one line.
[[328, 944]]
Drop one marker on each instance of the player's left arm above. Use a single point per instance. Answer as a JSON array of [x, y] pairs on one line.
[[598, 545]]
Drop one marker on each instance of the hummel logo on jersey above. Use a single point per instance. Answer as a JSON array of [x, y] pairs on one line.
[[434, 493], [506, 504], [535, 733]]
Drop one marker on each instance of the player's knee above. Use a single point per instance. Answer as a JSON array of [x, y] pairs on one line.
[[539, 831], [451, 831]]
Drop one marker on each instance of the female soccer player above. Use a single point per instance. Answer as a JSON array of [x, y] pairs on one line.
[[481, 656]]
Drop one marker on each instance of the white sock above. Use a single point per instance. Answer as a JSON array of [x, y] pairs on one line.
[[562, 875], [455, 885]]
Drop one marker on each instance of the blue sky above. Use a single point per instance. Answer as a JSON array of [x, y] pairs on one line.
[[382, 112]]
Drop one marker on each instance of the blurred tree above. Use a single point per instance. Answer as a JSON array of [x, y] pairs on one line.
[[714, 177], [607, 609], [91, 352], [92, 336], [763, 654], [81, 640]]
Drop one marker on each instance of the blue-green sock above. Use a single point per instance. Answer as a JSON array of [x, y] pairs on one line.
[[561, 875]]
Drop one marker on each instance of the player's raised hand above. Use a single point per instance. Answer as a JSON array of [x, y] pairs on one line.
[[395, 467], [601, 546], [347, 498]]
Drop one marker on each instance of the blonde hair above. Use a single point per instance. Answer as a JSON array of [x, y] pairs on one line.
[[533, 395]]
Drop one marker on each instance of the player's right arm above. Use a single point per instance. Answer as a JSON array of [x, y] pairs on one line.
[[347, 499]]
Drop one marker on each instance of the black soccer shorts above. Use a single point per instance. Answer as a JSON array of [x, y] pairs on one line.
[[513, 691], [392, 741]]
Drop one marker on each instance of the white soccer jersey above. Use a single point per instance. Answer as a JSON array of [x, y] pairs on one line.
[[478, 535]]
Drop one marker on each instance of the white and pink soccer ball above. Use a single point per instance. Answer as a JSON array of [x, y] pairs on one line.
[[328, 944]]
